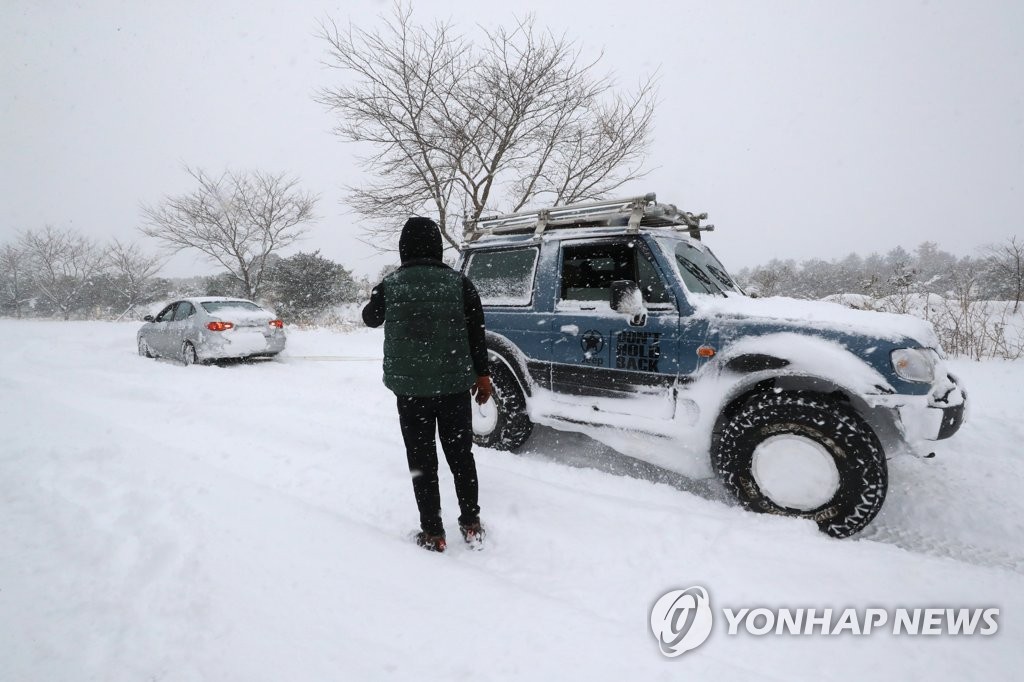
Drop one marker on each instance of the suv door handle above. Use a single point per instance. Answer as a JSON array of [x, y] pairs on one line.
[[570, 329], [639, 320]]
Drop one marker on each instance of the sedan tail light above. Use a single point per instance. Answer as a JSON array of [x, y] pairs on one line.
[[277, 323], [219, 326]]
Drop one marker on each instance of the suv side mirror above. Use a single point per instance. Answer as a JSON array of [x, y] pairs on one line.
[[147, 318], [626, 298]]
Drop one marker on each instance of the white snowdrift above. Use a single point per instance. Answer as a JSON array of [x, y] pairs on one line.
[[249, 523]]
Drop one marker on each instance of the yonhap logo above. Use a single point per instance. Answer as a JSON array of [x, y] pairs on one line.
[[681, 620]]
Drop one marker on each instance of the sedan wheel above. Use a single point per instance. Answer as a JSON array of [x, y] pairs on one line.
[[188, 354], [144, 349]]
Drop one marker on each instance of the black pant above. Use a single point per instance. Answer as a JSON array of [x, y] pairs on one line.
[[454, 418]]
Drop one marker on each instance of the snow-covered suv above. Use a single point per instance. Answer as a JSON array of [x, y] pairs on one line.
[[613, 318]]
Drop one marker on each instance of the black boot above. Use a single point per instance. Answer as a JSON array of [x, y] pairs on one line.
[[473, 533], [431, 543]]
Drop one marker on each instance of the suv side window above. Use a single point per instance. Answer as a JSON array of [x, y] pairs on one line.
[[165, 315], [588, 271], [183, 311], [503, 277]]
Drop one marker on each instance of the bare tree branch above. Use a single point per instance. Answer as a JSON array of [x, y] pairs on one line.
[[131, 272], [237, 220], [458, 129], [63, 263], [1007, 261], [15, 277]]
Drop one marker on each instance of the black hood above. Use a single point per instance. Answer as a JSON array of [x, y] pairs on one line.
[[421, 239]]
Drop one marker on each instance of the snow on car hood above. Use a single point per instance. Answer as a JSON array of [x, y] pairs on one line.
[[820, 315]]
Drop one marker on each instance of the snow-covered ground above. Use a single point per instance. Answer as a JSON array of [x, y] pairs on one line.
[[250, 523]]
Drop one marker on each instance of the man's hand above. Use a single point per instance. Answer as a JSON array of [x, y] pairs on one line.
[[482, 390]]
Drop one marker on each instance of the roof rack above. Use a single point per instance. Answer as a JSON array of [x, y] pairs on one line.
[[632, 213]]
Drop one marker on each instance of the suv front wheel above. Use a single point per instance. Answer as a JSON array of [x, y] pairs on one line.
[[502, 422], [803, 454]]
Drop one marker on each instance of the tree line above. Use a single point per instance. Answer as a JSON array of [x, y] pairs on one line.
[[238, 220], [996, 273], [64, 274], [973, 302]]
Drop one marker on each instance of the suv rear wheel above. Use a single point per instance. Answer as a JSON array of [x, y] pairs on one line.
[[806, 455], [502, 422]]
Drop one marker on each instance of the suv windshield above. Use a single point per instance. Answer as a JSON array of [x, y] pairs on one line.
[[700, 271]]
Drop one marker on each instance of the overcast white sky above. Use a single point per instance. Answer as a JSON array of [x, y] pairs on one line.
[[806, 129]]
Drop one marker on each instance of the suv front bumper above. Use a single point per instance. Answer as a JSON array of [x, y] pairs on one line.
[[935, 416], [952, 418]]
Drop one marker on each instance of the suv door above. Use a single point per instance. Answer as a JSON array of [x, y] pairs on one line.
[[599, 353]]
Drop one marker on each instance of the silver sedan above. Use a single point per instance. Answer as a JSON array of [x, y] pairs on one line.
[[201, 329]]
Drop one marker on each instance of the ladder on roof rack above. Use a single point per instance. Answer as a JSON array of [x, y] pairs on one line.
[[631, 213]]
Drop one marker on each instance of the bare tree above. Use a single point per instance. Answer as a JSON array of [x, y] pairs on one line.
[[63, 263], [459, 128], [131, 273], [237, 219], [15, 278], [1007, 261], [767, 280]]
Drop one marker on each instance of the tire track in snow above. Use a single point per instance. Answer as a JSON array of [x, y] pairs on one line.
[[921, 542], [579, 451]]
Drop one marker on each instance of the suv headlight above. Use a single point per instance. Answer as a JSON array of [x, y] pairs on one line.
[[914, 364]]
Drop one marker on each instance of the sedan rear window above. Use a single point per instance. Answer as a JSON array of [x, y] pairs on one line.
[[214, 306]]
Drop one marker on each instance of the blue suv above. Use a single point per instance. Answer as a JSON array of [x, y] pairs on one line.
[[614, 319]]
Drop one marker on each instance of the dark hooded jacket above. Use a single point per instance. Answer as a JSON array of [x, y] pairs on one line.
[[433, 320]]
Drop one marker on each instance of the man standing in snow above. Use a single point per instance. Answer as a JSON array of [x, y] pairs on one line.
[[435, 356]]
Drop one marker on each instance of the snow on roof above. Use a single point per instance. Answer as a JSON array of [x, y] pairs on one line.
[[217, 299]]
